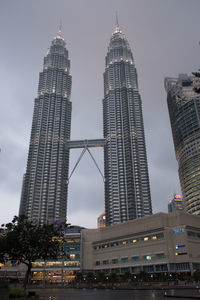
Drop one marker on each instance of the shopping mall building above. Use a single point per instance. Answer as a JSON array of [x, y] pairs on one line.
[[160, 243]]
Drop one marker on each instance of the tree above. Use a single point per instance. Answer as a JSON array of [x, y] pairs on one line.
[[113, 278], [79, 277], [143, 276], [196, 275], [90, 277], [126, 277], [2, 246], [25, 242], [196, 82], [101, 277]]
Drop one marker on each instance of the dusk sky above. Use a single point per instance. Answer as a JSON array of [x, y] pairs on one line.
[[164, 37]]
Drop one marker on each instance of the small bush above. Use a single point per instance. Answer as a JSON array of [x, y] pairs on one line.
[[4, 284], [15, 292]]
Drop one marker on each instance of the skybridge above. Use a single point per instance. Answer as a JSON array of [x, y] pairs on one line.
[[85, 144]]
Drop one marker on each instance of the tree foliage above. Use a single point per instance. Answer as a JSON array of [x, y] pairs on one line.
[[126, 277], [90, 277], [113, 278], [101, 277], [24, 242]]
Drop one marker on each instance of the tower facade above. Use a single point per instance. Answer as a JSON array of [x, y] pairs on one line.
[[44, 191], [183, 100], [127, 189]]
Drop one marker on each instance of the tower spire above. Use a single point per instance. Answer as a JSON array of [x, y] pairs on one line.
[[60, 29], [117, 23]]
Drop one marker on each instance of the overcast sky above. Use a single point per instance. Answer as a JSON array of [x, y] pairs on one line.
[[164, 37]]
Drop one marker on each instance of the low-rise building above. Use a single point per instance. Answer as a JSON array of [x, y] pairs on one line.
[[158, 244], [154, 244], [52, 271]]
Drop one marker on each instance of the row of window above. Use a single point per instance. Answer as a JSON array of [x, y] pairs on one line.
[[193, 234], [130, 241], [132, 259]]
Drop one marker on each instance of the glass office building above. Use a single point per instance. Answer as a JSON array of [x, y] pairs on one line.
[[184, 110]]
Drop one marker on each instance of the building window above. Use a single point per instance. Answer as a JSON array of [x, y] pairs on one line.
[[135, 258], [97, 263], [114, 261], [160, 235], [180, 253], [124, 259], [160, 255], [147, 257], [105, 246], [133, 241], [123, 243], [113, 244], [191, 233], [105, 262]]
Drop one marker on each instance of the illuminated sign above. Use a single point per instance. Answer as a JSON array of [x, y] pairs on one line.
[[179, 246], [178, 230]]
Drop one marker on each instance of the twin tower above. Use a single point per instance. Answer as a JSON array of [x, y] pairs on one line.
[[45, 183]]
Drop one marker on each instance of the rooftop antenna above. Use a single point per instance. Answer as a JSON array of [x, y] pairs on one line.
[[117, 23], [60, 28]]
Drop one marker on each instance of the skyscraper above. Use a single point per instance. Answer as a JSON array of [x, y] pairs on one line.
[[176, 204], [127, 190], [44, 191], [184, 110]]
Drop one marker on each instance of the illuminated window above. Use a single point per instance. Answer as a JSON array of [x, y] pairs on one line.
[[72, 256], [147, 257], [154, 237], [133, 241], [146, 238]]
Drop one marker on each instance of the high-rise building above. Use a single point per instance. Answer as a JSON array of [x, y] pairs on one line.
[[184, 109], [127, 190], [176, 204], [44, 191]]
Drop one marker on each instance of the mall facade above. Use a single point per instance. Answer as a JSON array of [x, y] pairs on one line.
[[158, 244]]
